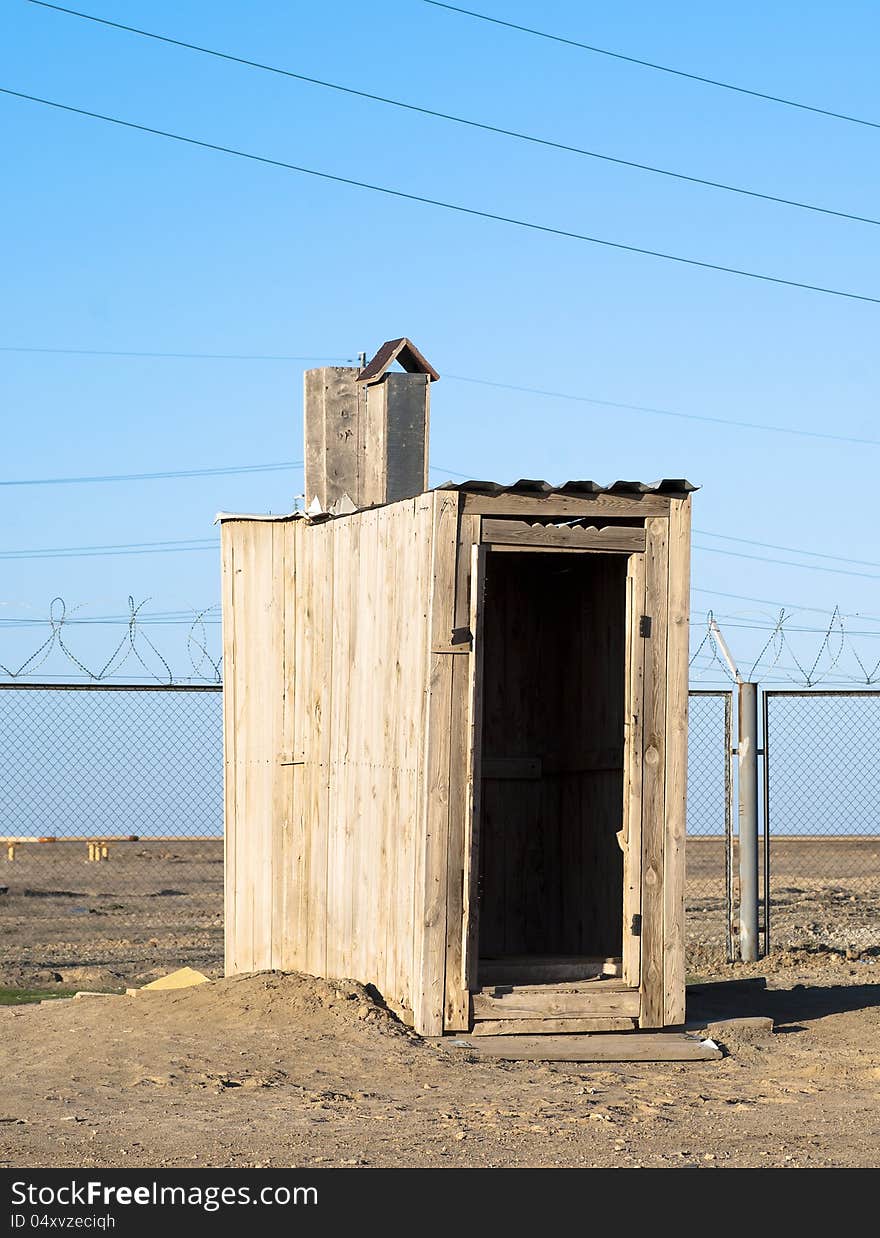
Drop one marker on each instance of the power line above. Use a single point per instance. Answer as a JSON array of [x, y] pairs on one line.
[[282, 466], [161, 618], [124, 548], [661, 68], [664, 412], [811, 567], [652, 410], [184, 356], [461, 120], [745, 541], [816, 610], [546, 229]]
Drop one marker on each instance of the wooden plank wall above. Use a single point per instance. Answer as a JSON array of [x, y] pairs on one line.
[[325, 650], [346, 699]]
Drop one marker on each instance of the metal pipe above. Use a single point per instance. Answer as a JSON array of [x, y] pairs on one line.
[[729, 912], [728, 656], [747, 819], [766, 733]]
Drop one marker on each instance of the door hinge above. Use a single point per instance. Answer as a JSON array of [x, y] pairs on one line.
[[636, 926], [645, 625]]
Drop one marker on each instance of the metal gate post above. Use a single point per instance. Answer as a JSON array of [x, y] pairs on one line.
[[747, 817], [766, 734], [730, 900]]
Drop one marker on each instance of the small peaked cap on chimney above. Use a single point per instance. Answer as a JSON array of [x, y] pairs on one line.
[[366, 432], [405, 353]]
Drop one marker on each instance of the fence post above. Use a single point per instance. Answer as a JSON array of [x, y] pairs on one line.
[[747, 818]]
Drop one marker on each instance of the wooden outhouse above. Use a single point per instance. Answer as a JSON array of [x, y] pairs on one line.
[[456, 729]]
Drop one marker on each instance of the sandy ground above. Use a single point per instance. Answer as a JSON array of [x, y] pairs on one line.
[[154, 906], [151, 907], [282, 1070], [292, 1071]]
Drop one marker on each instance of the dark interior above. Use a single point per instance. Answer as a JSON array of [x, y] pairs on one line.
[[551, 868]]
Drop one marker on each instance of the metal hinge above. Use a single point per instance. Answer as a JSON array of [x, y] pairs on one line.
[[645, 625], [636, 926]]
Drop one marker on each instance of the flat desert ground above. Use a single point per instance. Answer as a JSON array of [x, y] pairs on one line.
[[288, 1070]]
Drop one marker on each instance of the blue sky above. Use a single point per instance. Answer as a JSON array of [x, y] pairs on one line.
[[115, 240]]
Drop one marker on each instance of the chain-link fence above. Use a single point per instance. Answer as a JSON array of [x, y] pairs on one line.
[[111, 828], [708, 888], [822, 814]]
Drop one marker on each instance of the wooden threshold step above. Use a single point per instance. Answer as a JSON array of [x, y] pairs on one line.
[[545, 1027], [598, 1047], [537, 969], [604, 984], [500, 1002]]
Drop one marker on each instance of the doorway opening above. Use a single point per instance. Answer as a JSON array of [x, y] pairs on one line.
[[551, 868]]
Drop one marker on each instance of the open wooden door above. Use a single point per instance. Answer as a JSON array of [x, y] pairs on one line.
[[471, 897], [631, 834]]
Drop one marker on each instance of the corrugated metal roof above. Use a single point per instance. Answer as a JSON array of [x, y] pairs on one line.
[[674, 486], [582, 489]]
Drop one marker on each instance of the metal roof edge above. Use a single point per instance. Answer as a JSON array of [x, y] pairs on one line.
[[222, 517], [586, 489]]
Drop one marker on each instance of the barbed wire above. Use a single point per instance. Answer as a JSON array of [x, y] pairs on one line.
[[807, 670], [134, 644], [786, 653]]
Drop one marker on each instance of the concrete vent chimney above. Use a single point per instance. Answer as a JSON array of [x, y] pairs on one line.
[[366, 431]]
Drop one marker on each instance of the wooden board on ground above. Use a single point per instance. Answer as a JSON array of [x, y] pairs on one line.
[[595, 1047]]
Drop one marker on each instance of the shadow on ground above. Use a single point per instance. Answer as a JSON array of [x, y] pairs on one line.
[[727, 999]]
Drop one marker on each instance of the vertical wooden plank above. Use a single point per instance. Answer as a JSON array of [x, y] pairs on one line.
[[632, 759], [289, 778], [416, 660], [314, 435], [391, 583], [301, 838], [338, 916], [263, 755], [246, 628], [654, 773], [676, 760], [316, 657], [350, 682], [457, 1008], [281, 690], [372, 445], [365, 755], [230, 767], [341, 406], [406, 427], [431, 872], [471, 901]]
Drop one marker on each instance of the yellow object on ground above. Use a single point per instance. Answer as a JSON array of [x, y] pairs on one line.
[[183, 978]]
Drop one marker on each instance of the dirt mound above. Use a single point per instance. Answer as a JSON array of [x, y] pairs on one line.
[[285, 1000], [812, 958]]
